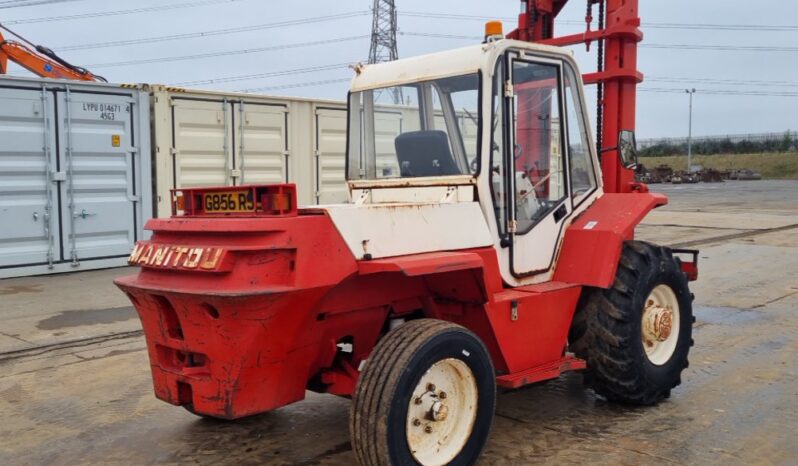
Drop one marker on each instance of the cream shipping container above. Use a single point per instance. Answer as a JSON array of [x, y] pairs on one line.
[[207, 138]]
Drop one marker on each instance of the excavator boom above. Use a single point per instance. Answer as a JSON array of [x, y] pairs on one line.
[[41, 61]]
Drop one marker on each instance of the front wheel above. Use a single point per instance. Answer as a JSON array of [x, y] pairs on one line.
[[636, 335], [426, 396]]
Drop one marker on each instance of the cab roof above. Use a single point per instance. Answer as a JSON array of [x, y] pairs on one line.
[[453, 62]]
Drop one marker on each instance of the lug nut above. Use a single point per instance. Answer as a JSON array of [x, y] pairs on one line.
[[442, 395], [431, 387], [416, 422], [418, 401], [428, 429]]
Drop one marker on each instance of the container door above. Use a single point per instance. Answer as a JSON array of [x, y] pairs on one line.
[[261, 148], [203, 135], [28, 169], [96, 155], [331, 156]]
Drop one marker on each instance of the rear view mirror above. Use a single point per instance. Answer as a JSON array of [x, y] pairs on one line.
[[627, 148]]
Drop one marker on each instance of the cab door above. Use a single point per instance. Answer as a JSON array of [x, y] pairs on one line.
[[535, 165]]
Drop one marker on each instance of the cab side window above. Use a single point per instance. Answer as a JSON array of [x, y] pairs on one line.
[[537, 153], [583, 175]]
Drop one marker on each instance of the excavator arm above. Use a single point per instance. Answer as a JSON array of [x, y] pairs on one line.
[[41, 61]]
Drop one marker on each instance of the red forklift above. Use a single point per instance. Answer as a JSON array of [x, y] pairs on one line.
[[489, 242]]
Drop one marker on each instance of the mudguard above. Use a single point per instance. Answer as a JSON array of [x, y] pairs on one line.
[[592, 244]]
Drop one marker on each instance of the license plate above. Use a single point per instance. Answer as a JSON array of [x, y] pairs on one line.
[[220, 202]]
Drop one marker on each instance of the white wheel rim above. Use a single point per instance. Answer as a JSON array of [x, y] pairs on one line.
[[441, 412], [660, 325]]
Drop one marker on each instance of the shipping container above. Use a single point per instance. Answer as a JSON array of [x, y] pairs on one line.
[[75, 187], [210, 138]]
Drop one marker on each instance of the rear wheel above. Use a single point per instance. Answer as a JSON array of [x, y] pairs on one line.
[[636, 336], [426, 396]]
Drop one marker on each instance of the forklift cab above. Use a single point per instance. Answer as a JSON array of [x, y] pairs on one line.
[[506, 118]]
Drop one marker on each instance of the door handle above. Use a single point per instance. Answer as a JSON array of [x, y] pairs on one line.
[[83, 214], [560, 213]]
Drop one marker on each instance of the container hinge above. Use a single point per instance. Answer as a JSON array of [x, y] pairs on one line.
[[514, 310], [235, 173], [59, 176], [172, 151], [508, 89], [317, 153]]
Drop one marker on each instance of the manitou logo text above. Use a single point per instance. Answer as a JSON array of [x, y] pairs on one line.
[[156, 255]]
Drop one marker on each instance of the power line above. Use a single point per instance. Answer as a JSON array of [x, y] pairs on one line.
[[721, 27], [439, 36], [291, 86], [736, 48], [748, 48], [224, 53], [217, 32], [720, 92], [701, 26], [24, 3], [729, 82], [245, 77], [131, 11]]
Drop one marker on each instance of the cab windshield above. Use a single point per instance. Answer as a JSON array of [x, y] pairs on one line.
[[415, 130]]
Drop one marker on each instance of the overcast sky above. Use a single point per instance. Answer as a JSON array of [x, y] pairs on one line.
[[723, 78]]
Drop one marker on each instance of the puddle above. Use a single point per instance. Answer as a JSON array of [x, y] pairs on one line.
[[87, 317]]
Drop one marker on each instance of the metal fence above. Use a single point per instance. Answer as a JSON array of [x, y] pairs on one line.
[[722, 144]]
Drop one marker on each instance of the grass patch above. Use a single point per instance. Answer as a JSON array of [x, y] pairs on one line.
[[771, 165]]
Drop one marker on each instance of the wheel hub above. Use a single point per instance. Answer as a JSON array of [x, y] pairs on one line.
[[659, 328], [659, 322], [441, 412]]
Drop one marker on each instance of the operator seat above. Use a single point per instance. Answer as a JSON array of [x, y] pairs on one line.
[[425, 153]]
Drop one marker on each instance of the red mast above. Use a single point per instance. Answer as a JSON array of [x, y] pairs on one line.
[[618, 32]]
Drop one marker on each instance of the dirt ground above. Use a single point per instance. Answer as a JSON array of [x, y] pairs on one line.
[[772, 166], [75, 384]]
